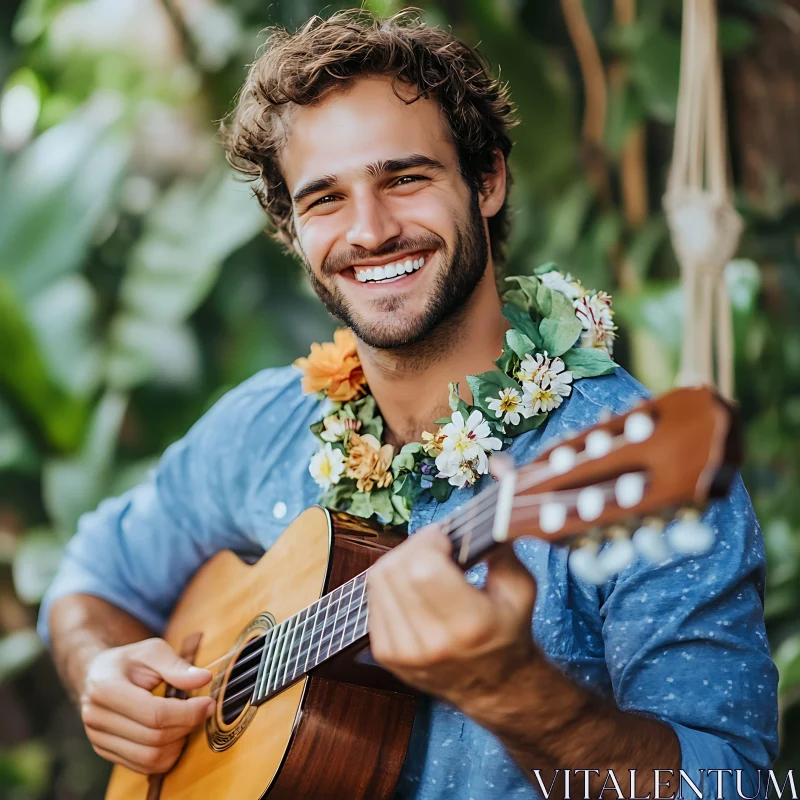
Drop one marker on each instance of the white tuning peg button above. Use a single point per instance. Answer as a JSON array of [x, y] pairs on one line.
[[598, 443], [690, 536], [639, 427], [562, 459], [584, 564], [619, 555], [650, 544]]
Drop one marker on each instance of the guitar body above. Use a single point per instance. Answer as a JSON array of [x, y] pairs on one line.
[[339, 733]]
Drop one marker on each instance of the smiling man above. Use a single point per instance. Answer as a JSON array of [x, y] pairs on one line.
[[379, 152]]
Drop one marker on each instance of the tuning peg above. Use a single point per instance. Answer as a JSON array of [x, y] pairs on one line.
[[562, 459], [649, 541], [689, 534], [639, 427], [584, 564], [619, 554], [598, 443]]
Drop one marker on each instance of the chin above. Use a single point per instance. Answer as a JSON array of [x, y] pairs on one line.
[[387, 334]]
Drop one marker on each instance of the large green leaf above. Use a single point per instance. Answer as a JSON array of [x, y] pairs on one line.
[[63, 319], [61, 186], [25, 379], [17, 651], [72, 486], [188, 234], [35, 563]]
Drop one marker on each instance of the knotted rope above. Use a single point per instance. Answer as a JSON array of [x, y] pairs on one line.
[[704, 224]]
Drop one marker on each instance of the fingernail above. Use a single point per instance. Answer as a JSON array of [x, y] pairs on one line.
[[196, 671]]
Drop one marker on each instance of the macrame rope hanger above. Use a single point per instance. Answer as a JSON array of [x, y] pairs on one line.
[[703, 222]]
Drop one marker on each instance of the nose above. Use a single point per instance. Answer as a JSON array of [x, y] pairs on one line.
[[373, 222]]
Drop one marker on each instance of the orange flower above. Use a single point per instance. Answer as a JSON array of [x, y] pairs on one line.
[[334, 368]]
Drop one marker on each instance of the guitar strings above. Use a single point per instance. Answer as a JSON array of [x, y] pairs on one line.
[[341, 626], [309, 635]]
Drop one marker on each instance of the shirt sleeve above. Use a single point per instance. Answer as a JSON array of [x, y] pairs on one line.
[[139, 550], [685, 642]]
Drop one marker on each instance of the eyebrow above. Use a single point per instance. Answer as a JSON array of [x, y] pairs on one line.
[[376, 169]]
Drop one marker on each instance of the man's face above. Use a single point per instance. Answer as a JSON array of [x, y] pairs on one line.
[[393, 239]]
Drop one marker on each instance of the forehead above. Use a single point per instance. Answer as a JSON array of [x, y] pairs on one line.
[[364, 124]]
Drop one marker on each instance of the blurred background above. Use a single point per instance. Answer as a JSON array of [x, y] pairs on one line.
[[136, 284]]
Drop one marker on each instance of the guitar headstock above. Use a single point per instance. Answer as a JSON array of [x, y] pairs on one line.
[[620, 479]]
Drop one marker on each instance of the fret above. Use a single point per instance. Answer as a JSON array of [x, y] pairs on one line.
[[336, 619], [324, 622], [329, 625], [301, 642], [347, 614], [273, 684], [317, 607], [300, 619], [266, 661], [360, 604], [291, 646]]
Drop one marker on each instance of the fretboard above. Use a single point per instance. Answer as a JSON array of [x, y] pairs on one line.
[[338, 620]]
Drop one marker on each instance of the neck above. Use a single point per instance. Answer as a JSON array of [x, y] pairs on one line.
[[410, 383]]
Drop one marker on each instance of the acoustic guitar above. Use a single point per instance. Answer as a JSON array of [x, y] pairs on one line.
[[302, 712]]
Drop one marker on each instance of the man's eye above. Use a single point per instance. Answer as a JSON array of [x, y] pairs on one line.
[[329, 198], [404, 180]]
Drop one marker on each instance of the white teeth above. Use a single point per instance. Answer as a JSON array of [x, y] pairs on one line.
[[389, 270]]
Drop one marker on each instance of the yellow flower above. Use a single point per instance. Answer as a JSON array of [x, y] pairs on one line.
[[432, 442], [368, 462], [334, 368]]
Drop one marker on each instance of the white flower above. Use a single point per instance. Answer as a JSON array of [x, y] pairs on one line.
[[464, 448], [545, 384], [461, 473], [327, 466], [597, 318], [507, 405], [334, 429], [566, 284]]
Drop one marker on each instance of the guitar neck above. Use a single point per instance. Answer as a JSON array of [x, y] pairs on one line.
[[338, 620]]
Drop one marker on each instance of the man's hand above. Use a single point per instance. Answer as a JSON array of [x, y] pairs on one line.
[[438, 633], [125, 723]]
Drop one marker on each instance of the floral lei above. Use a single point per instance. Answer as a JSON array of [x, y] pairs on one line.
[[560, 332]]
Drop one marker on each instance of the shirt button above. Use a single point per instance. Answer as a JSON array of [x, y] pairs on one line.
[[279, 510]]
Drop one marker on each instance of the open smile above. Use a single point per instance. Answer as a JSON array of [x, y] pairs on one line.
[[392, 271]]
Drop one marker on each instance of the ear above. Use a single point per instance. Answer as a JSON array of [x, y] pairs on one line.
[[493, 190]]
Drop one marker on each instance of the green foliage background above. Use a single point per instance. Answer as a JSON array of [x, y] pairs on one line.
[[136, 285]]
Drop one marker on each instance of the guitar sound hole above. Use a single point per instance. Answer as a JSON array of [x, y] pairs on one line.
[[242, 680]]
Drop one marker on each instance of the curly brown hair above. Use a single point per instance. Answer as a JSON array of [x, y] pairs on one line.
[[325, 54]]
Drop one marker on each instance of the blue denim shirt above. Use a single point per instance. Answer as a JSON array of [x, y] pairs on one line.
[[683, 641]]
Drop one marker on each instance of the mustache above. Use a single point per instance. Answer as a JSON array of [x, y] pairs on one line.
[[336, 262]]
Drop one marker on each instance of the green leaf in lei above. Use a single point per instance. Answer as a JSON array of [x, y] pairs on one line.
[[560, 329], [441, 489], [487, 386], [587, 362], [519, 343], [402, 507], [522, 322], [360, 505], [525, 425], [381, 502]]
